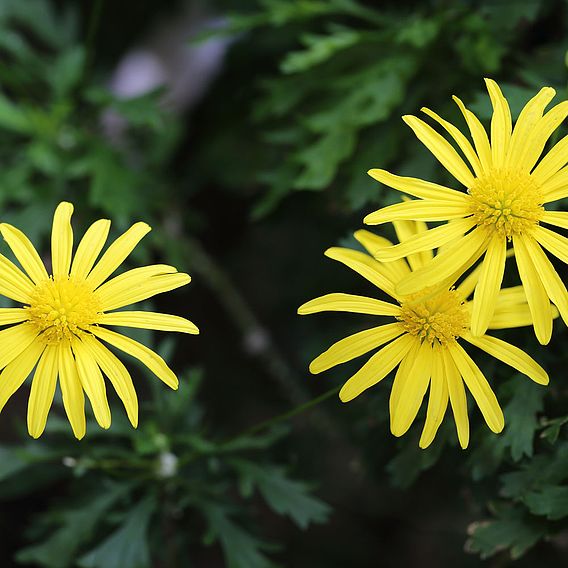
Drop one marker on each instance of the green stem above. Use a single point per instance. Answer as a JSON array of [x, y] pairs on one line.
[[93, 26], [286, 415]]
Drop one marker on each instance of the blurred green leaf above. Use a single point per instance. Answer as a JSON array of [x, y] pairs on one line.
[[284, 495], [127, 547], [512, 530], [240, 549], [551, 501], [77, 527]]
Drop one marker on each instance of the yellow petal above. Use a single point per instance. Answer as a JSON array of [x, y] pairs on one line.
[[479, 135], [62, 240], [543, 131], [461, 140], [14, 284], [553, 242], [144, 290], [501, 124], [364, 265], [12, 315], [118, 375], [355, 345], [418, 209], [528, 140], [452, 262], [116, 253], [24, 252], [404, 231], [555, 288], [14, 375], [418, 187], [478, 386], [437, 400], [507, 318], [146, 356], [431, 239], [93, 383], [376, 368], [489, 284], [397, 269], [118, 291], [534, 289], [42, 391], [458, 398], [556, 218], [556, 187], [441, 148], [413, 391], [14, 340], [552, 163], [511, 355], [348, 303], [149, 320], [71, 390], [401, 376], [89, 248]]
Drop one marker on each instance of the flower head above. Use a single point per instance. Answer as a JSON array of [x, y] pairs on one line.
[[423, 340], [59, 329], [507, 188]]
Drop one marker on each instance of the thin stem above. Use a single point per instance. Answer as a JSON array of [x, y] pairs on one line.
[[92, 29], [287, 415]]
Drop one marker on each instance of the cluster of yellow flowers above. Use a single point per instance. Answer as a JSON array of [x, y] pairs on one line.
[[507, 187], [59, 328]]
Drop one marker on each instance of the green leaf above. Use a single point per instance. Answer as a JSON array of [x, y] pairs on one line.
[[511, 530], [284, 496], [319, 49], [551, 501], [127, 547], [240, 548], [13, 117], [521, 417], [77, 527]]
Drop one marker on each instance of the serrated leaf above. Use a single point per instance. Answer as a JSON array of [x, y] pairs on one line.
[[521, 417], [319, 48], [240, 548], [512, 530], [127, 547], [77, 527], [551, 502], [285, 496]]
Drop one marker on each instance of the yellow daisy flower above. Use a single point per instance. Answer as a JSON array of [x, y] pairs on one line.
[[423, 340], [507, 189], [59, 329]]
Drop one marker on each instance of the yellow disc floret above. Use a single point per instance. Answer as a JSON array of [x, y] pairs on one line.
[[442, 317], [63, 308], [507, 201]]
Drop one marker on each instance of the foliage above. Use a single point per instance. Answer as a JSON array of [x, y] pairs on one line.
[[132, 496]]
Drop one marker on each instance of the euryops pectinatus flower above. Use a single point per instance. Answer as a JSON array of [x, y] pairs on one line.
[[423, 340], [507, 189], [60, 326]]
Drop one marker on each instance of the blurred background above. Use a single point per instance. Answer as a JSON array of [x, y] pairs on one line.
[[241, 131]]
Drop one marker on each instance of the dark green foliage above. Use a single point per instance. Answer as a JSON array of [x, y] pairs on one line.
[[125, 486]]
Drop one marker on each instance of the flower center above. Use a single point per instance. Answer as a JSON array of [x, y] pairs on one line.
[[63, 308], [442, 317], [507, 201]]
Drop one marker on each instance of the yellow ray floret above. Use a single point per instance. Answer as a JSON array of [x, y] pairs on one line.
[[59, 329], [507, 184], [423, 339]]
